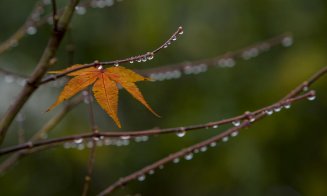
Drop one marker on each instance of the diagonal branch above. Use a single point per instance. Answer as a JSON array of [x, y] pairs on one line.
[[224, 60], [188, 152], [138, 58], [47, 127], [39, 71]]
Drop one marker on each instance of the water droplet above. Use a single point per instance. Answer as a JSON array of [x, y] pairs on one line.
[[80, 10], [150, 56], [174, 38], [151, 172], [165, 46], [139, 60], [9, 79], [176, 160], [203, 149], [287, 105], [116, 64], [144, 59], [269, 112], [213, 144], [100, 67], [236, 123], [215, 126], [234, 134], [131, 61], [188, 156], [305, 88], [181, 132], [251, 118], [31, 30], [311, 97], [277, 109], [78, 140], [287, 41], [96, 138], [125, 137], [80, 146], [181, 32], [141, 178], [168, 43], [225, 139]]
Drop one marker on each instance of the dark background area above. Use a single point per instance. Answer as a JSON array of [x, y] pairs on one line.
[[284, 154]]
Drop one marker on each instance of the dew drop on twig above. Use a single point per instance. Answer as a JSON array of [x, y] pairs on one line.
[[151, 172], [236, 123], [188, 156], [234, 134], [213, 144], [311, 97], [225, 139], [141, 178], [181, 132], [287, 41], [269, 112], [203, 149], [78, 140], [176, 160], [31, 30]]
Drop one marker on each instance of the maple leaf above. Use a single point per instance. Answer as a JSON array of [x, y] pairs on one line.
[[105, 88]]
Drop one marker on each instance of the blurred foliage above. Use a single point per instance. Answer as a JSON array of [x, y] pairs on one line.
[[285, 154]]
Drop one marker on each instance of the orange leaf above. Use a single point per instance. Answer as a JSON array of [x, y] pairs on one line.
[[126, 79], [105, 87], [106, 93], [74, 86]]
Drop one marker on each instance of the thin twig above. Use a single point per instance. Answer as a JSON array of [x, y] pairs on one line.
[[47, 127], [225, 60], [21, 32], [39, 71], [55, 17], [131, 134], [91, 160], [138, 58], [211, 141]]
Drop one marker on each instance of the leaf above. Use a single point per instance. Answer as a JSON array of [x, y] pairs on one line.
[[105, 87], [106, 93]]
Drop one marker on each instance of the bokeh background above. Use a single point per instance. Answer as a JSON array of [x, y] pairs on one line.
[[285, 154]]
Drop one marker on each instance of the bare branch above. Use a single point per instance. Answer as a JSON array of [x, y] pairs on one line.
[[131, 134], [48, 126], [188, 152], [224, 60], [31, 22], [91, 160], [39, 71], [138, 58], [55, 17]]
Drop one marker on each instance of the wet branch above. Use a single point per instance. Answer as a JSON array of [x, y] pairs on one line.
[[39, 71], [285, 102]]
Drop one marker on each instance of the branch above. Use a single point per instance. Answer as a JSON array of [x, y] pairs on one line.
[[48, 126], [138, 58], [90, 164], [21, 32], [188, 152], [180, 131], [39, 71], [224, 60]]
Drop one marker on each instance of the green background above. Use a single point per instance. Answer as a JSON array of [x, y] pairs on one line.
[[284, 154]]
